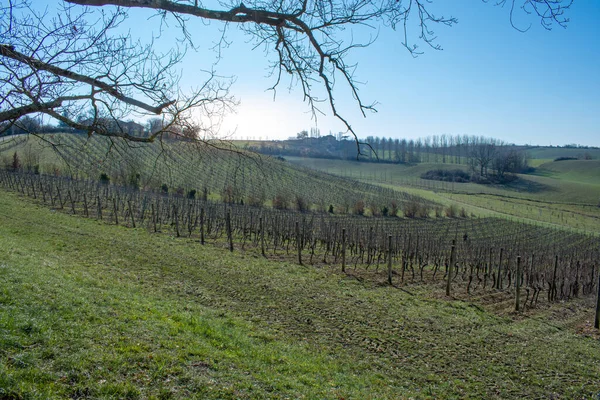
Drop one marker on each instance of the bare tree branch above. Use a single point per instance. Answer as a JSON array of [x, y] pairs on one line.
[[106, 77], [76, 69]]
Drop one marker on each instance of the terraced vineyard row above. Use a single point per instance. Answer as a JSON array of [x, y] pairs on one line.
[[476, 256]]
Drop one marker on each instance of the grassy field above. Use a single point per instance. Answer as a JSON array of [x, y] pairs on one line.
[[584, 171], [554, 152], [89, 310], [575, 181], [561, 193]]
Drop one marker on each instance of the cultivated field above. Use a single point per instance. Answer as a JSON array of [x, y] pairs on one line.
[[563, 193], [192, 272], [218, 171], [103, 311]]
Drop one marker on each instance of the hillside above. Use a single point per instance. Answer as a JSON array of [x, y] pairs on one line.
[[92, 310], [215, 170], [126, 290], [555, 152], [558, 194], [583, 171]]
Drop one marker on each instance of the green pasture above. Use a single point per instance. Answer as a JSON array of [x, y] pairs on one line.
[[583, 171], [558, 194], [555, 152]]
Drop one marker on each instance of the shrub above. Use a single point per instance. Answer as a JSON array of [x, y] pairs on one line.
[[359, 208], [104, 179], [254, 201], [454, 175], [394, 209], [228, 194], [565, 158], [410, 209], [16, 162], [423, 211], [375, 210], [385, 211], [301, 204], [451, 211], [280, 202]]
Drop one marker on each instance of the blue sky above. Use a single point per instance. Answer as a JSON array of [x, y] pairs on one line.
[[539, 87]]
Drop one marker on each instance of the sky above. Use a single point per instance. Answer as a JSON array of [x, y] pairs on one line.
[[539, 87]]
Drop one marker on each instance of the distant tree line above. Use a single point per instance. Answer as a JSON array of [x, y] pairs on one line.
[[487, 158]]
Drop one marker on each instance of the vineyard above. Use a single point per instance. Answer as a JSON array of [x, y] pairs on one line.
[[541, 186], [215, 171], [563, 193], [479, 257]]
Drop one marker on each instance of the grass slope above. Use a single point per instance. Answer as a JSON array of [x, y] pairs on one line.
[[560, 194], [536, 187], [584, 171], [89, 310], [555, 152]]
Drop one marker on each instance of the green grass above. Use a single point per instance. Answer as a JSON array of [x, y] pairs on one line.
[[372, 170], [563, 193], [555, 152], [543, 186], [536, 162], [584, 171], [98, 311]]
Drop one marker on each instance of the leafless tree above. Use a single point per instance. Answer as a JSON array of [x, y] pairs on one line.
[[507, 162], [483, 154], [64, 65], [75, 67]]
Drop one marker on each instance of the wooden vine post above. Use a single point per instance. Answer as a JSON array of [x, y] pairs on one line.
[[450, 266], [499, 281], [115, 211], [597, 319], [262, 237], [176, 219], [99, 207], [71, 201], [59, 197], [298, 243], [390, 259], [518, 285], [343, 249], [552, 292], [131, 213], [153, 217], [85, 206], [229, 233], [202, 225]]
